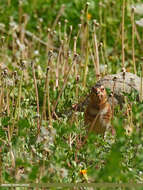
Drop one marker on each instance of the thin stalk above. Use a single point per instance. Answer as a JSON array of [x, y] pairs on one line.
[[20, 12], [65, 49], [65, 83], [65, 28], [48, 41], [9, 3], [103, 59], [86, 66], [1, 95], [105, 34], [14, 36], [123, 34], [133, 40], [74, 53], [37, 97], [96, 52], [0, 165], [13, 78], [40, 34], [44, 100], [100, 19], [46, 97], [8, 110], [59, 31], [93, 60], [19, 95], [102, 54], [69, 38], [141, 87], [57, 67], [58, 16], [74, 118], [12, 156], [113, 92], [82, 34], [17, 110], [138, 37], [23, 28], [87, 44]]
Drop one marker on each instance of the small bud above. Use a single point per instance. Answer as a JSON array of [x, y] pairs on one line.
[[133, 9], [69, 53], [75, 38], [40, 20], [3, 38], [95, 23], [79, 25], [74, 106], [75, 56], [70, 27], [66, 21], [48, 30], [123, 70], [82, 11], [87, 3], [32, 63], [48, 68], [38, 27], [115, 78], [100, 44], [77, 78], [55, 32], [38, 115]]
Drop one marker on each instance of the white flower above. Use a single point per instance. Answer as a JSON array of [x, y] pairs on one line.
[[63, 172], [36, 52], [138, 9], [140, 22]]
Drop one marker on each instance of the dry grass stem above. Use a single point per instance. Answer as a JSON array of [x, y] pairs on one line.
[[141, 87], [37, 97], [133, 40], [58, 16], [96, 51], [64, 83], [123, 34]]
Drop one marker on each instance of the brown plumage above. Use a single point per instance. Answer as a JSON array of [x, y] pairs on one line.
[[98, 108]]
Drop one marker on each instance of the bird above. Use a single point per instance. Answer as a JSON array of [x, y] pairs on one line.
[[98, 113]]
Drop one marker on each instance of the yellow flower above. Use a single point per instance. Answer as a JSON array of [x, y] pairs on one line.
[[83, 172], [88, 16]]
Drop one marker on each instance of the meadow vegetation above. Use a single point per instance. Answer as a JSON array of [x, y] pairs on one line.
[[52, 52]]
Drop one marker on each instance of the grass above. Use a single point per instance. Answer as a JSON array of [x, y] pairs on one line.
[[47, 66]]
